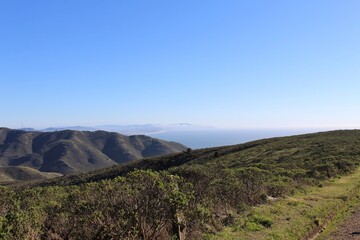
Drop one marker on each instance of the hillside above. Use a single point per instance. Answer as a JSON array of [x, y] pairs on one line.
[[197, 193], [68, 151], [13, 174], [318, 155]]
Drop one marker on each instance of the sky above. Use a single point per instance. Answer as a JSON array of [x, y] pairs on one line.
[[229, 63]]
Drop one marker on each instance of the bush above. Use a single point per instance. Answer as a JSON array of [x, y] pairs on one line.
[[263, 221]]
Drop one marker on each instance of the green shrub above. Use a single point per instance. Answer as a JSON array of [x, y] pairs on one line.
[[257, 223], [263, 221]]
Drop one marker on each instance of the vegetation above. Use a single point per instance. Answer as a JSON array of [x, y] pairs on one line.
[[184, 196], [300, 216]]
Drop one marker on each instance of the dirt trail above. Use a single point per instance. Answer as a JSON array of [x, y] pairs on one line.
[[350, 229]]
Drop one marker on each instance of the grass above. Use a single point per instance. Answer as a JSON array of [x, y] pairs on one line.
[[298, 216]]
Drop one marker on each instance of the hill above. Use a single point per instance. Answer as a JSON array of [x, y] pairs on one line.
[[13, 174], [194, 193], [69, 151], [320, 155]]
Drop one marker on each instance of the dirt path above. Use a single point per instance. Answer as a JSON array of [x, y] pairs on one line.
[[350, 229]]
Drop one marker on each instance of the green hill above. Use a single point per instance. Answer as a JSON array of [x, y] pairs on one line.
[[309, 156], [184, 195]]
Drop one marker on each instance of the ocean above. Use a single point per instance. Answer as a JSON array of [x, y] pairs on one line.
[[213, 138]]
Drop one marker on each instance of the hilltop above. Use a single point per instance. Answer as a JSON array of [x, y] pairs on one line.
[[34, 154]]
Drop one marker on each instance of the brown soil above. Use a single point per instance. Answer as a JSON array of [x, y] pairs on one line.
[[350, 229]]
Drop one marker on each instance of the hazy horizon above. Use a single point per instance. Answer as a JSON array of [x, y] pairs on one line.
[[230, 64], [194, 136], [189, 127]]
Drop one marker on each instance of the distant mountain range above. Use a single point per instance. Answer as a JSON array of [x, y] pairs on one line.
[[35, 154], [129, 129]]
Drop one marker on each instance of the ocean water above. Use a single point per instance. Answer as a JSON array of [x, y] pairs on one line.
[[214, 138]]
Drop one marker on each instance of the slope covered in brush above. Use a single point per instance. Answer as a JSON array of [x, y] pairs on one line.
[[181, 196]]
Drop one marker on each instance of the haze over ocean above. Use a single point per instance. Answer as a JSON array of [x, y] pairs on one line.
[[214, 138]]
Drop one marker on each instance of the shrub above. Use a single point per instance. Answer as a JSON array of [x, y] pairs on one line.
[[263, 221]]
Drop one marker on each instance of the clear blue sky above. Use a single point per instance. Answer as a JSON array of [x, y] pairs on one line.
[[244, 64]]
